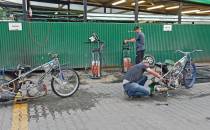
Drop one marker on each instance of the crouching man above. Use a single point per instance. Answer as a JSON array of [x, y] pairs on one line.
[[134, 80]]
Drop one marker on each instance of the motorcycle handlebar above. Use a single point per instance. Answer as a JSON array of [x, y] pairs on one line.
[[179, 51], [196, 51]]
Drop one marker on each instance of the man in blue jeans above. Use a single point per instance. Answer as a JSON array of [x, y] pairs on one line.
[[139, 40], [134, 80]]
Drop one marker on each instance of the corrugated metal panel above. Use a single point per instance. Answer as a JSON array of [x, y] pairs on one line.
[[31, 45], [185, 37]]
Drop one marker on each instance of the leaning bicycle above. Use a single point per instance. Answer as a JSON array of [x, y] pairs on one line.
[[64, 82]]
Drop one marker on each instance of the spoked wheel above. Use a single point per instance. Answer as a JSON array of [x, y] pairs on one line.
[[10, 87], [189, 75], [6, 91], [65, 83], [150, 59]]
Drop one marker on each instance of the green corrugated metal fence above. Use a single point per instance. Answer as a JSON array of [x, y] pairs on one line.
[[31, 45]]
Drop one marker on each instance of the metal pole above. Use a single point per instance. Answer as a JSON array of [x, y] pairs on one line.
[[28, 4], [24, 7], [68, 10], [136, 12], [29, 10], [68, 7], [104, 9], [85, 10], [180, 13]]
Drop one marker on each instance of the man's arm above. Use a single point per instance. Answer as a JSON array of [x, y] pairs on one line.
[[154, 73], [130, 40]]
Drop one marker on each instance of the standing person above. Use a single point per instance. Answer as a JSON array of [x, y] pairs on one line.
[[139, 40]]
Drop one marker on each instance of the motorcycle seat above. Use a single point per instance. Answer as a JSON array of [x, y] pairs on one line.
[[159, 64]]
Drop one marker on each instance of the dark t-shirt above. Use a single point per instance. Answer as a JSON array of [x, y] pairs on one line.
[[139, 41], [135, 73]]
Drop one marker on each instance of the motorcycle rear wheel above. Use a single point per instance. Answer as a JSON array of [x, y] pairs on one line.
[[189, 75]]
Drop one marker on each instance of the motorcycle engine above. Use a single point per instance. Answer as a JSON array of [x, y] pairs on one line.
[[175, 82], [31, 89], [34, 90]]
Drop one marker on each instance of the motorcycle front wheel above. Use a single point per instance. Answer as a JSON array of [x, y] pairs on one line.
[[65, 83], [150, 59]]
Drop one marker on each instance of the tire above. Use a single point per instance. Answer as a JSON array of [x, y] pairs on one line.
[[11, 87], [72, 87], [150, 59], [189, 76]]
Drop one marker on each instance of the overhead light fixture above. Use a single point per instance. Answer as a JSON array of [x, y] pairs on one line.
[[172, 7], [140, 2], [190, 11], [155, 7], [119, 2], [202, 12]]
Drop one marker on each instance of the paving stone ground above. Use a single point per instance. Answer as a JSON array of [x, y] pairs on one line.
[[103, 106]]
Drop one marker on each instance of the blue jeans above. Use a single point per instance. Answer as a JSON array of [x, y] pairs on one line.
[[137, 88]]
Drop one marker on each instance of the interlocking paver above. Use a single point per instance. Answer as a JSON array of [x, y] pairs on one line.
[[5, 116], [102, 106]]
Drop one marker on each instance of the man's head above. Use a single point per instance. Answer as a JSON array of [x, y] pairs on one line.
[[137, 29]]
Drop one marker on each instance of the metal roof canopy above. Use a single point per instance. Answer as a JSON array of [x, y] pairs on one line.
[[127, 5], [109, 1], [186, 5]]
